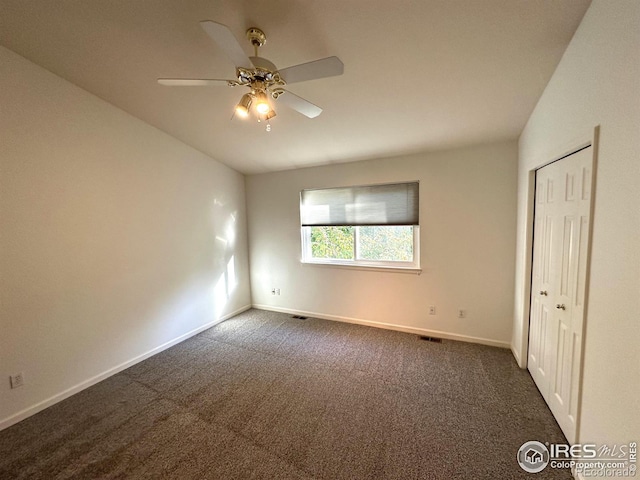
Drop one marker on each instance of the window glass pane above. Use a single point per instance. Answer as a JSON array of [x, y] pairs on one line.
[[332, 242], [385, 243]]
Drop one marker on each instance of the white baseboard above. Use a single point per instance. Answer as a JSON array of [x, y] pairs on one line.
[[389, 326], [32, 410]]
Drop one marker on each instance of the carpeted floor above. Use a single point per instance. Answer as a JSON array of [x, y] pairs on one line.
[[266, 396]]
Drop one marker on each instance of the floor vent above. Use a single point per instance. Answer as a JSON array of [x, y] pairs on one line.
[[431, 339], [299, 317]]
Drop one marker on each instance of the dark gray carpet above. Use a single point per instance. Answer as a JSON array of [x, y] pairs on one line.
[[266, 396]]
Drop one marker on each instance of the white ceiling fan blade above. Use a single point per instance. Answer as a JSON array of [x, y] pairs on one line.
[[227, 42], [299, 104], [325, 67], [192, 82]]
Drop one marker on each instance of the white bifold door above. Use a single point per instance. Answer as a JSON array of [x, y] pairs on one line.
[[558, 283]]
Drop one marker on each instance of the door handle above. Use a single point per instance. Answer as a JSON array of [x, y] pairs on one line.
[[560, 307], [543, 292]]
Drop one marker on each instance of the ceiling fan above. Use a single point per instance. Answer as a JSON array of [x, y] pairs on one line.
[[261, 76]]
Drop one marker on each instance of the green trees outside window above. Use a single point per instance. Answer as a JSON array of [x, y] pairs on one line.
[[374, 243], [332, 242]]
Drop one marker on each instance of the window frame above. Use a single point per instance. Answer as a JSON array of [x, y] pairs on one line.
[[373, 205]]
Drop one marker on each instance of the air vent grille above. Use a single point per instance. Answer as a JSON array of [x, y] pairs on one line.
[[431, 339]]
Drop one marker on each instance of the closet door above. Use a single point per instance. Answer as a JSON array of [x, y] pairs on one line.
[[560, 247]]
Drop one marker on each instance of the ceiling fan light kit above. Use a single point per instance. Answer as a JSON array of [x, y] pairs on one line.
[[242, 108], [261, 76], [262, 104]]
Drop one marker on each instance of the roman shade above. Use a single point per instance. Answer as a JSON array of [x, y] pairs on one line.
[[388, 204]]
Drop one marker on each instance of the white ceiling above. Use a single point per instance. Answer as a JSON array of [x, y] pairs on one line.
[[419, 74]]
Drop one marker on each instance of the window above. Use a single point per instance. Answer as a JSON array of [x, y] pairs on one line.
[[374, 226]]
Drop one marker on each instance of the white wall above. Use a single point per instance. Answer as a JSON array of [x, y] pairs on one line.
[[467, 219], [598, 83], [115, 238]]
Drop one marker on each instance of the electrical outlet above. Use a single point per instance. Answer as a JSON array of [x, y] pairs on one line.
[[277, 291], [16, 380], [432, 310], [462, 313]]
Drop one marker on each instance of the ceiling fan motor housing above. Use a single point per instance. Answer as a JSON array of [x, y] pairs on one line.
[[263, 77]]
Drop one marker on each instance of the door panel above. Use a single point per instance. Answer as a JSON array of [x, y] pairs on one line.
[[547, 247], [581, 277], [561, 242]]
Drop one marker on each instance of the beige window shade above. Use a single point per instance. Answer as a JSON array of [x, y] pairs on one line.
[[389, 204]]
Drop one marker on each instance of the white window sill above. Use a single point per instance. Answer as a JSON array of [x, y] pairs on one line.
[[371, 268]]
